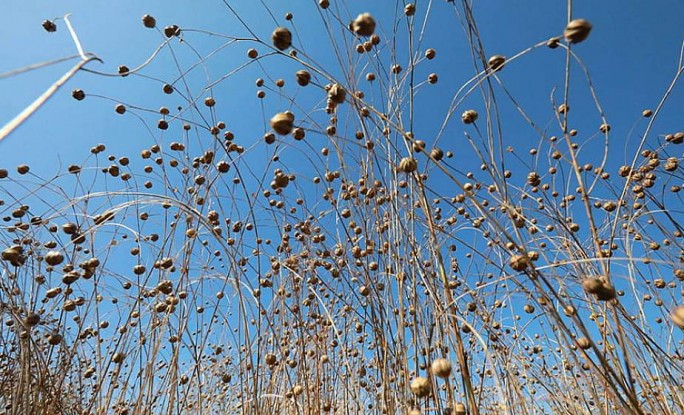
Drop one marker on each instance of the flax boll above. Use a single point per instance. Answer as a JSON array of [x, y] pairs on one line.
[[577, 31], [363, 25], [282, 38], [441, 368], [420, 386], [283, 122]]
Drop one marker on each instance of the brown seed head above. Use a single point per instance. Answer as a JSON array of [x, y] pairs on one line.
[[363, 25], [677, 316], [49, 26], [441, 368], [283, 122], [173, 30], [420, 386], [577, 31], [78, 94], [496, 62], [149, 21], [408, 165], [519, 262], [303, 77], [282, 38], [469, 116]]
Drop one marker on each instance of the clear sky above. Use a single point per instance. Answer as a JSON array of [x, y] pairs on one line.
[[632, 55]]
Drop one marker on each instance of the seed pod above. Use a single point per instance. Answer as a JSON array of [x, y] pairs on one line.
[[363, 25], [441, 368], [120, 109], [676, 138], [430, 54], [54, 258], [583, 343], [553, 42], [677, 316], [14, 255], [49, 26], [252, 53], [282, 38], [123, 70], [324, 4], [604, 128], [679, 274], [283, 122], [469, 116], [591, 285], [410, 9], [171, 31], [519, 262], [577, 31], [78, 94], [32, 319], [606, 293], [420, 386], [303, 77], [496, 62], [459, 409], [118, 357], [437, 154], [408, 165], [149, 21], [209, 102], [70, 277], [281, 180], [646, 113], [337, 94], [54, 339], [53, 292], [298, 133]]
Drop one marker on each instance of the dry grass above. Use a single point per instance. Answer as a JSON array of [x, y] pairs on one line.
[[342, 264]]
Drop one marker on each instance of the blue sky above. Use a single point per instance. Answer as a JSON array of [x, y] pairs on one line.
[[632, 54]]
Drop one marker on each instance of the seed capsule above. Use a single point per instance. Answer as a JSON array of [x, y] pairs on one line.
[[49, 26], [78, 94], [496, 62], [441, 368], [283, 122], [282, 38], [149, 21], [303, 77], [408, 165], [469, 116], [363, 25], [577, 31], [170, 31], [420, 386], [677, 316]]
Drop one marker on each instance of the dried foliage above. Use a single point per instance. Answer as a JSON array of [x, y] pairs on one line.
[[345, 263]]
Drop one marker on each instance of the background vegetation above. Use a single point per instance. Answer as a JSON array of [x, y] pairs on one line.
[[335, 207]]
